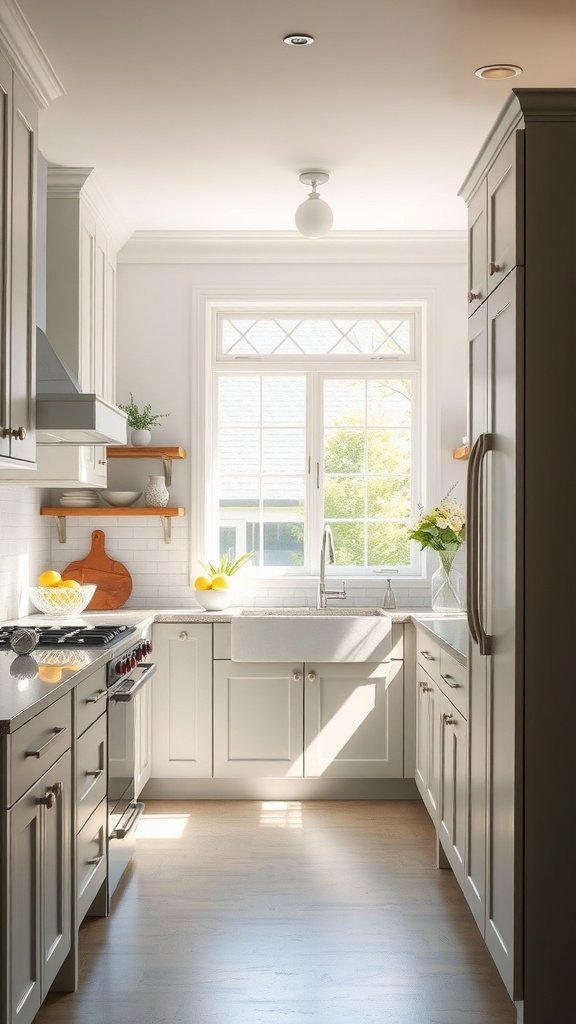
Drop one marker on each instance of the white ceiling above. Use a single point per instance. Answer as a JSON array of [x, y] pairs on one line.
[[198, 117]]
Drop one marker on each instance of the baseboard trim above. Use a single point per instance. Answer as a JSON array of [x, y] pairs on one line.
[[280, 789]]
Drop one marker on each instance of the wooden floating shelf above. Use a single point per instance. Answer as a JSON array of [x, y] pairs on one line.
[[60, 514], [166, 453], [463, 452]]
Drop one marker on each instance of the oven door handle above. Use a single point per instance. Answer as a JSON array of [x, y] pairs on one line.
[[124, 827], [124, 696]]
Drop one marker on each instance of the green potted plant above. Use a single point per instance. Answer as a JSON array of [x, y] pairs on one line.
[[140, 420], [443, 529]]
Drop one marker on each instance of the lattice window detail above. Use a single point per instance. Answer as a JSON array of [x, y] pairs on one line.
[[317, 337]]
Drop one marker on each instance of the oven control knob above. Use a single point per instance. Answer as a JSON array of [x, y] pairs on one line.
[[139, 653], [125, 666], [148, 647], [133, 661], [118, 668]]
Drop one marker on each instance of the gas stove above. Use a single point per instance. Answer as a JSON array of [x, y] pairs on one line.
[[72, 635]]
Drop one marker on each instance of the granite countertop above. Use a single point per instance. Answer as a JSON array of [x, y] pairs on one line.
[[21, 698]]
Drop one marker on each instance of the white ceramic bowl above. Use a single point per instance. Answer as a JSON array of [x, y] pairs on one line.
[[59, 601], [120, 499], [213, 600]]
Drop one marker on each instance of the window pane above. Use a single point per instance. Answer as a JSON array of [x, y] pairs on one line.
[[283, 514], [388, 497], [388, 544], [349, 543], [228, 541], [344, 403], [389, 451], [239, 401], [349, 336], [389, 403], [239, 451], [344, 451], [344, 498], [283, 451], [284, 401]]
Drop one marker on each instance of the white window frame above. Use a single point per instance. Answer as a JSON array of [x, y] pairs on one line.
[[213, 304]]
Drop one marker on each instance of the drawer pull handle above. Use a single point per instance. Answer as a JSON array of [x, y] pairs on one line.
[[97, 696], [472, 296], [425, 688], [18, 433], [38, 753], [448, 719], [427, 655], [450, 680], [96, 861], [494, 268], [96, 774]]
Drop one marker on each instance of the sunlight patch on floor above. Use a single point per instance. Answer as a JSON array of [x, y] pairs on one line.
[[281, 814], [162, 826]]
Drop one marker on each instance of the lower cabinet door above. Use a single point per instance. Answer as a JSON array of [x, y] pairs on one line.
[[258, 720], [182, 701], [452, 825], [56, 869], [433, 746], [142, 737], [25, 895], [90, 859], [354, 720]]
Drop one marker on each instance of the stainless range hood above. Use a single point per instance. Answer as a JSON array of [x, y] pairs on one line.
[[66, 415]]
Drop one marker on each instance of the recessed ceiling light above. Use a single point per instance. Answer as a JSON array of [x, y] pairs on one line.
[[496, 71], [298, 39]]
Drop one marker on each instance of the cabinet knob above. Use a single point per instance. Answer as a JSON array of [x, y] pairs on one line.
[[448, 719], [472, 296], [101, 462], [57, 788], [183, 635], [494, 268], [311, 677], [18, 433], [297, 677]]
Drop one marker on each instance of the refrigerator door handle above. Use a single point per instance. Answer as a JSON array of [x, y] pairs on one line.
[[472, 542], [484, 639]]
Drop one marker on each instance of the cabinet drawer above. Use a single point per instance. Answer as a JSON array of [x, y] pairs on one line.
[[428, 654], [91, 859], [37, 745], [454, 682], [90, 700], [90, 771]]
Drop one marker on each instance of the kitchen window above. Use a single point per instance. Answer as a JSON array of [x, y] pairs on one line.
[[317, 418]]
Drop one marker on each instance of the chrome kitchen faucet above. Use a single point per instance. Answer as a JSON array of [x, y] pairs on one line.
[[325, 595]]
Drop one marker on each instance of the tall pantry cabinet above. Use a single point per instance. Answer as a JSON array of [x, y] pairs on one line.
[[521, 196]]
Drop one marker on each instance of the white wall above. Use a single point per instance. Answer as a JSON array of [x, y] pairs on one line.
[[154, 362], [25, 547]]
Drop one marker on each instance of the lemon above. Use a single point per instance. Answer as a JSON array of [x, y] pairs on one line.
[[221, 581], [203, 583], [49, 578], [70, 584]]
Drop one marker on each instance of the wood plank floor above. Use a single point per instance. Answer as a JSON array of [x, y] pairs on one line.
[[252, 913]]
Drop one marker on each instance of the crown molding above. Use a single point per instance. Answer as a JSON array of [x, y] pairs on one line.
[[83, 182], [290, 247], [25, 53]]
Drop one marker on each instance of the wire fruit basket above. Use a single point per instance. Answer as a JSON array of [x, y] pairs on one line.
[[61, 601]]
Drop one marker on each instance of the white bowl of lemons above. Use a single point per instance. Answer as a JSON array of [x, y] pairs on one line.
[[213, 593], [58, 597]]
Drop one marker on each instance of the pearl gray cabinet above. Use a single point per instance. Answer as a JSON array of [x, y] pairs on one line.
[[521, 846], [18, 155]]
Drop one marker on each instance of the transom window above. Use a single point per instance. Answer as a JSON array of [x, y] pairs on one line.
[[319, 422]]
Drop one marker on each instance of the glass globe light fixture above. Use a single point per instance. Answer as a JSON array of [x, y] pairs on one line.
[[314, 217]]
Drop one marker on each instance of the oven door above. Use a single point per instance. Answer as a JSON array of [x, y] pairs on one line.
[[124, 810]]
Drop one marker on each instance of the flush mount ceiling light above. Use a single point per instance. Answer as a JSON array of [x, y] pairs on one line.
[[314, 217], [298, 39], [498, 71]]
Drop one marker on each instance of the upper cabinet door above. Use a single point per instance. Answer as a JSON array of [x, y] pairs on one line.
[[505, 204], [5, 200], [477, 249], [23, 272]]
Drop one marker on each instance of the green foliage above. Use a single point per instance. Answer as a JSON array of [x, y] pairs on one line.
[[141, 419], [226, 565], [443, 528]]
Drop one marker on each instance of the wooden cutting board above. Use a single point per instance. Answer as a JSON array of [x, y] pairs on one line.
[[112, 579]]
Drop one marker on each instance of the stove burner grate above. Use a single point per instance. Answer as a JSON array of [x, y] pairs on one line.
[[71, 636]]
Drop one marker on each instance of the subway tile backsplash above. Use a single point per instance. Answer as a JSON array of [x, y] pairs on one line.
[[25, 547], [161, 572]]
